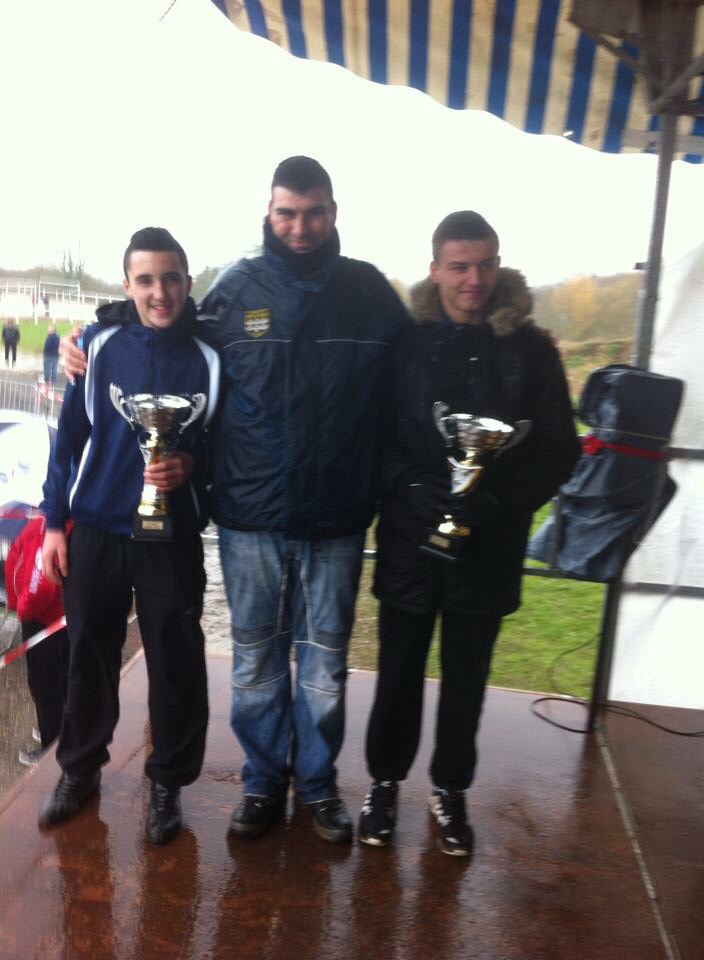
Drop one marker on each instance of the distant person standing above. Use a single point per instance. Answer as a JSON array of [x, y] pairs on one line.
[[51, 355], [10, 339]]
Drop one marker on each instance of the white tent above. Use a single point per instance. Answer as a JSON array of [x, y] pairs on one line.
[[659, 650]]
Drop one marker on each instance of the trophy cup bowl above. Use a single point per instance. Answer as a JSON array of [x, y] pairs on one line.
[[470, 440], [159, 419]]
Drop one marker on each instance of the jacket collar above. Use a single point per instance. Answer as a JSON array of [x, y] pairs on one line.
[[508, 310], [124, 313], [304, 266]]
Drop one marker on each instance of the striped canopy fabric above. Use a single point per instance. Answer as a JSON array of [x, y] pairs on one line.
[[522, 60]]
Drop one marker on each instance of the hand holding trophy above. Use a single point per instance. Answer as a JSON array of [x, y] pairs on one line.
[[469, 440], [160, 419]]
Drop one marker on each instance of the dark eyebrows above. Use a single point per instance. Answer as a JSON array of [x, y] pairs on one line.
[[488, 262], [170, 277], [311, 211]]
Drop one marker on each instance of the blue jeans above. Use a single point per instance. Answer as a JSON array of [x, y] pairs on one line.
[[283, 592], [51, 366]]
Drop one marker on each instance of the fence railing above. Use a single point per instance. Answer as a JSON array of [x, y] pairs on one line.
[[31, 396]]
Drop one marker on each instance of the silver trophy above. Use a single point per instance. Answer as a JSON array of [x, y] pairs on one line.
[[159, 419], [469, 440]]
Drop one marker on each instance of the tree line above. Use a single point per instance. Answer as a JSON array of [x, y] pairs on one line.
[[589, 308], [578, 309]]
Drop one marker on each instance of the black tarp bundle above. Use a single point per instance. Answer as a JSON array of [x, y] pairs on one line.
[[620, 484]]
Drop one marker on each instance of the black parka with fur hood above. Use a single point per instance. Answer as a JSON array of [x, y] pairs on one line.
[[503, 368]]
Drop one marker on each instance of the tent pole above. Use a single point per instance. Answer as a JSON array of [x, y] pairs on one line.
[[605, 653], [644, 343], [646, 322]]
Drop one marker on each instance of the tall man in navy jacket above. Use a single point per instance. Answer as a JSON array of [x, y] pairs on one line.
[[307, 339]]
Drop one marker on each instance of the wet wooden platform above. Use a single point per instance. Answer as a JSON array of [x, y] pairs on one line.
[[554, 875]]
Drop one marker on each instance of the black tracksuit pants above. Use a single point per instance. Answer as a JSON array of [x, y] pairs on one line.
[[168, 581], [393, 733]]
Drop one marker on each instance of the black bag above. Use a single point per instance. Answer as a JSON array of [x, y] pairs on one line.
[[620, 484]]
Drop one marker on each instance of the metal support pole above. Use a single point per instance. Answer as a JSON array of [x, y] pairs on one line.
[[644, 334], [607, 635]]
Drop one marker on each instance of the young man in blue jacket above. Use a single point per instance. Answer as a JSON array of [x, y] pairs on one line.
[[146, 344]]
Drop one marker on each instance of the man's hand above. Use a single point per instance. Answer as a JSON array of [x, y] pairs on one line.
[[55, 556], [73, 359], [170, 473], [474, 508]]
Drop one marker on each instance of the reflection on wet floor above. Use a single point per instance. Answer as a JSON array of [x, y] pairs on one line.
[[553, 875]]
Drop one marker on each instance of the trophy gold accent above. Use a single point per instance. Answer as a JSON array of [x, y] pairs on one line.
[[159, 419], [470, 440]]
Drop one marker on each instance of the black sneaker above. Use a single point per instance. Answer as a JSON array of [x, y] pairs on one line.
[[456, 835], [164, 816], [331, 820], [30, 758], [378, 817], [70, 794], [255, 815]]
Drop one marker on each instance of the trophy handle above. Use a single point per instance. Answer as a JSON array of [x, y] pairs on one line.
[[199, 401], [439, 411], [521, 430], [118, 402]]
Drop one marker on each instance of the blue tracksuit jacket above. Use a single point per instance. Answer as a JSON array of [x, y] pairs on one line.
[[95, 472]]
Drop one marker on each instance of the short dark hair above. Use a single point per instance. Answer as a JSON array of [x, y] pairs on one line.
[[155, 239], [462, 225], [301, 174]]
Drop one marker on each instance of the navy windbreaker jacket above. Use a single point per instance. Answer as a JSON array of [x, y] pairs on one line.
[[95, 472], [307, 390]]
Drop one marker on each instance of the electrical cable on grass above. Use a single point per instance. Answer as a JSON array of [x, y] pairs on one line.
[[618, 709]]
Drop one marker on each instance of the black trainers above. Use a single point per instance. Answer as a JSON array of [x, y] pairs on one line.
[[164, 816], [70, 794], [456, 835], [255, 815], [30, 758], [378, 817], [331, 820]]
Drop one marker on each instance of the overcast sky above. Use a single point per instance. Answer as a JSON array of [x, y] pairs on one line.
[[114, 119]]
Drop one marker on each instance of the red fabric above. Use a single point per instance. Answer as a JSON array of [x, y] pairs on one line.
[[28, 590], [592, 445]]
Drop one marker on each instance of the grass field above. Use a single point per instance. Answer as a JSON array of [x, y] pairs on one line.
[[548, 645], [33, 335], [533, 650]]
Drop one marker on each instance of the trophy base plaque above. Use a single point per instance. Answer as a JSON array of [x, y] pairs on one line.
[[152, 528], [445, 545]]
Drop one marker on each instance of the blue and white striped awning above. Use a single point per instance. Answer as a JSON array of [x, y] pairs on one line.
[[522, 60]]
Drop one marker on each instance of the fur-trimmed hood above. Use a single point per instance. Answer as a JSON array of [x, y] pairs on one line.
[[509, 308]]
